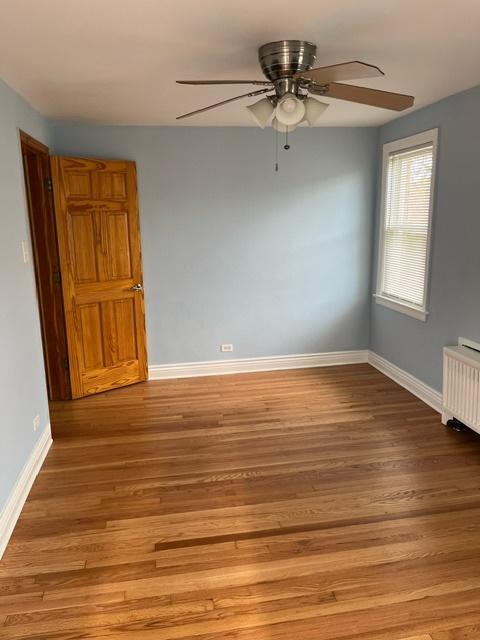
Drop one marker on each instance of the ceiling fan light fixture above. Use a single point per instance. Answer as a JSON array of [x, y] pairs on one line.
[[261, 111], [313, 110], [290, 110]]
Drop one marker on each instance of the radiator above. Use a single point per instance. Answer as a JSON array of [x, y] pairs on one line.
[[461, 385]]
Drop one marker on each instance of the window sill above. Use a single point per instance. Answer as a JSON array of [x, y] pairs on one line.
[[401, 307]]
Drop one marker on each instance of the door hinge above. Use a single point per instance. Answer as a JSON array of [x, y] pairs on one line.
[[64, 363], [57, 277], [48, 184]]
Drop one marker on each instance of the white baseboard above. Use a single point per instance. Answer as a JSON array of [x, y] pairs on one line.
[[430, 396], [16, 500], [248, 365]]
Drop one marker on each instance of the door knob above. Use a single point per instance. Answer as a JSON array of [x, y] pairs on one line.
[[137, 287]]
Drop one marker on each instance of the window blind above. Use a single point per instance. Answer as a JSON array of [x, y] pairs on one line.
[[406, 225]]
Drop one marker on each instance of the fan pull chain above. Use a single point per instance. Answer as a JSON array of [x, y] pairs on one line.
[[286, 146], [276, 150]]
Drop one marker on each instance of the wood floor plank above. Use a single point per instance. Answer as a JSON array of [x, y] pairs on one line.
[[323, 504], [471, 632]]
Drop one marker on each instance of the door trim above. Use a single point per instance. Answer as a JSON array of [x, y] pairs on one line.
[[46, 264]]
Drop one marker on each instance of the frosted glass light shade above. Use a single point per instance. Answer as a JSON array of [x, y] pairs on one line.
[[313, 110], [261, 111], [290, 110], [282, 128]]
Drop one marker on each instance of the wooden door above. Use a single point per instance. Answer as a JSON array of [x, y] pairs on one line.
[[99, 245]]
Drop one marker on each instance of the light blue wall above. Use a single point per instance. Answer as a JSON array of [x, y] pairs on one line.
[[22, 377], [455, 262], [273, 263]]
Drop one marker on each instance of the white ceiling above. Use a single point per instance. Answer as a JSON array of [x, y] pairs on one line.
[[116, 61]]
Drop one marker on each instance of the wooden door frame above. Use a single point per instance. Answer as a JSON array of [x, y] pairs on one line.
[[46, 263]]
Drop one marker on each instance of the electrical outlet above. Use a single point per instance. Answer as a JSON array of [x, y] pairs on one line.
[[25, 251], [36, 422], [226, 347]]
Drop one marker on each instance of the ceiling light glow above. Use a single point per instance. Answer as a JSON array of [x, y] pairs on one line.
[[290, 110]]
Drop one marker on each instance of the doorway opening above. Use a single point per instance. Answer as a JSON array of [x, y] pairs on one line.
[[85, 231], [38, 187]]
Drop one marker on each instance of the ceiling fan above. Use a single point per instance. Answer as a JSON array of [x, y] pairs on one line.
[[290, 78]]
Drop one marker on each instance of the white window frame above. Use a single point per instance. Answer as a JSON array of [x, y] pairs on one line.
[[405, 144]]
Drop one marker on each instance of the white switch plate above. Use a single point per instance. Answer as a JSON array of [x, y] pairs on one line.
[[226, 347], [36, 423], [25, 251]]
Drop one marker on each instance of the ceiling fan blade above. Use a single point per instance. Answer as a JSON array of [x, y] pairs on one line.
[[364, 95], [204, 82], [338, 72], [250, 94]]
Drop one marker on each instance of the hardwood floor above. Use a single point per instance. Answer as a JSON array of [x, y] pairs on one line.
[[314, 504]]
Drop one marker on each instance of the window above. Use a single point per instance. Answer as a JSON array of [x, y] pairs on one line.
[[406, 215]]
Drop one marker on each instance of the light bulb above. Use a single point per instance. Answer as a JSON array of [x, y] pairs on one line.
[[289, 105], [290, 110]]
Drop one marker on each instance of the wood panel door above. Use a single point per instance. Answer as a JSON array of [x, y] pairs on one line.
[[99, 245]]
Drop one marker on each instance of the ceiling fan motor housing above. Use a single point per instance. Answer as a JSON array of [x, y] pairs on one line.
[[282, 59]]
